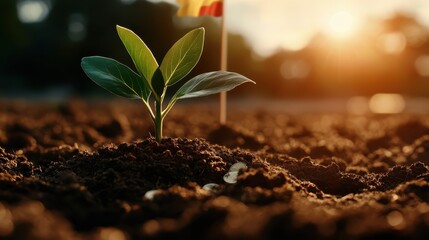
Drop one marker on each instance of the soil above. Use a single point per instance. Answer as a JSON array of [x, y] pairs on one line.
[[83, 170]]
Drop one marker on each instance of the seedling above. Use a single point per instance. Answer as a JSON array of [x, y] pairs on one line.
[[152, 80]]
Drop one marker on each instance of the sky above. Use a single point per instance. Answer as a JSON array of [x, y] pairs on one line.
[[269, 25]]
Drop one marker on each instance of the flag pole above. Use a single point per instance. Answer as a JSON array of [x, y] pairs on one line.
[[223, 63]]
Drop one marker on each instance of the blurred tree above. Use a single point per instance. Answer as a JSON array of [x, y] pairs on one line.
[[43, 54], [380, 58], [46, 54]]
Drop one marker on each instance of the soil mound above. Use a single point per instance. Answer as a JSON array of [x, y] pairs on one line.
[[71, 174]]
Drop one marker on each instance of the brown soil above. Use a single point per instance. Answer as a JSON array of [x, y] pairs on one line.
[[81, 171]]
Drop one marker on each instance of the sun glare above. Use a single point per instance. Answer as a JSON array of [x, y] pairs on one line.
[[32, 11], [341, 24], [387, 103]]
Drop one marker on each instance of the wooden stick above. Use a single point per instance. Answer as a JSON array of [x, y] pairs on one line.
[[223, 64]]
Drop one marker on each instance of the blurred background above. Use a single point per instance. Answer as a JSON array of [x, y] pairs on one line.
[[293, 49]]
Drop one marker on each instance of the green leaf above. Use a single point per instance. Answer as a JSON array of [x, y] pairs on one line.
[[142, 57], [115, 77], [158, 83], [210, 83], [182, 56]]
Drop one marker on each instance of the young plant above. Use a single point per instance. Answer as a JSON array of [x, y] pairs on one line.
[[152, 80]]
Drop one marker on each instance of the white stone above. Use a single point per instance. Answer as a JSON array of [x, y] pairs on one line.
[[211, 187], [237, 166], [152, 193], [231, 177]]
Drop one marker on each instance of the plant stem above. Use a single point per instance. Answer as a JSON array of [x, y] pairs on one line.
[[158, 121], [149, 110]]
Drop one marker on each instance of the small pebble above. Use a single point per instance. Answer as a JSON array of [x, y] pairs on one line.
[[232, 174], [231, 177], [211, 187], [237, 166], [152, 193]]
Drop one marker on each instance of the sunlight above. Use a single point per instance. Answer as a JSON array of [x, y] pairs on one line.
[[294, 69], [357, 105], [77, 27], [387, 103], [292, 24], [32, 11], [422, 65], [393, 43], [341, 24]]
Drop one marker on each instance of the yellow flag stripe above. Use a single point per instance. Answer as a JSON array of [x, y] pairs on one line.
[[192, 7]]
